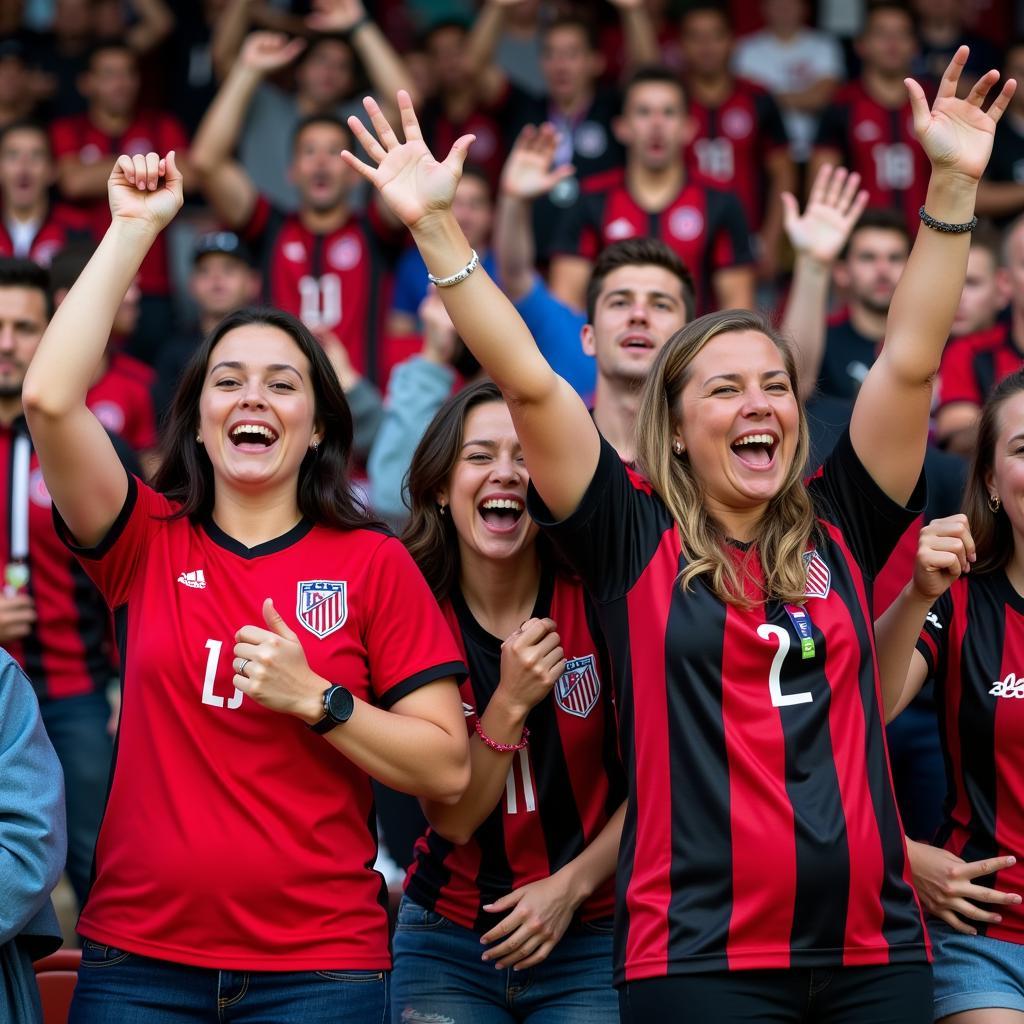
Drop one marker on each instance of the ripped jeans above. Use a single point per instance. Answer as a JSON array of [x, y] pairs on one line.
[[439, 978]]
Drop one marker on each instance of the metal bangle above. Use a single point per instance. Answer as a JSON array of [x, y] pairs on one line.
[[941, 225], [460, 275]]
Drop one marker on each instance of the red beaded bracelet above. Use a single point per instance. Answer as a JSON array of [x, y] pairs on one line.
[[502, 748]]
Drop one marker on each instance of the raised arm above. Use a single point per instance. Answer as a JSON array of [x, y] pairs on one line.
[[481, 43], [889, 426], [638, 33], [559, 438], [817, 236], [225, 184], [81, 468], [155, 24]]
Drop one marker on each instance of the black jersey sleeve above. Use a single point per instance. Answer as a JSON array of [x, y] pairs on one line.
[[845, 494], [576, 231], [932, 643], [728, 231], [769, 122], [614, 531], [832, 129]]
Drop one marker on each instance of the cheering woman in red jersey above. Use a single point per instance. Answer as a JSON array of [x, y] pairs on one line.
[[965, 609], [762, 873], [277, 649], [524, 862]]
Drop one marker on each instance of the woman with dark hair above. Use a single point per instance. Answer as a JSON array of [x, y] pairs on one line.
[[763, 872], [961, 622], [523, 864], [277, 649]]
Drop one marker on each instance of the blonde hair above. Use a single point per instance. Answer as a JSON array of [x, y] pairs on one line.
[[788, 524]]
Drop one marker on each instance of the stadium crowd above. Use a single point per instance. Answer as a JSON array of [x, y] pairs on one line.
[[645, 376]]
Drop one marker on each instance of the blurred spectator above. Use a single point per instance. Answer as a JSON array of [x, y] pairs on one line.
[[191, 82], [1001, 192], [739, 143], [326, 82], [800, 66], [653, 197], [517, 50], [473, 208], [222, 280], [974, 364], [86, 146], [32, 226], [941, 32], [867, 274], [18, 99], [987, 286], [869, 126], [121, 393], [325, 263], [33, 845]]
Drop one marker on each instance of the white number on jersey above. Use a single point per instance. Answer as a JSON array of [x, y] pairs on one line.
[[715, 158], [320, 300], [209, 697], [780, 699], [894, 165], [529, 794]]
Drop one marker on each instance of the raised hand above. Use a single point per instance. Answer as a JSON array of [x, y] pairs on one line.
[[833, 208], [145, 190], [956, 133], [335, 15], [528, 173], [945, 551], [532, 659], [411, 182], [267, 52]]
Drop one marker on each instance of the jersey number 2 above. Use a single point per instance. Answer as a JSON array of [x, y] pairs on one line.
[[209, 697], [780, 699]]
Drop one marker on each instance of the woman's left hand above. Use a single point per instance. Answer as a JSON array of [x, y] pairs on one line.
[[277, 674], [956, 133], [540, 914]]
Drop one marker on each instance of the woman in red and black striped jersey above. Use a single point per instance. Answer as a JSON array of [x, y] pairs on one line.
[[524, 862], [965, 610], [763, 872], [277, 649]]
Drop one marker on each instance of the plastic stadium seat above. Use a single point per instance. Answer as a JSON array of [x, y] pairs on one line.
[[56, 975]]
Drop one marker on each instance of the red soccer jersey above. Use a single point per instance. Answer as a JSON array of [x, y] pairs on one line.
[[705, 227], [62, 223], [761, 830], [973, 642], [731, 144], [972, 365], [235, 838], [151, 131], [879, 144], [122, 400], [338, 281], [561, 790], [68, 652]]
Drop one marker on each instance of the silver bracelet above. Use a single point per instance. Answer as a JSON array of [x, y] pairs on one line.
[[459, 275], [944, 226]]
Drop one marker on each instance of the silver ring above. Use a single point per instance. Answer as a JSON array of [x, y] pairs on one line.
[[241, 668]]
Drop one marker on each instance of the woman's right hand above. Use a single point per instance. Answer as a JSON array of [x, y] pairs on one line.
[[411, 182], [532, 659], [944, 883], [138, 196], [945, 551]]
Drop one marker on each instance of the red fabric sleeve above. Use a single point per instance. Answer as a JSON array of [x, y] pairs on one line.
[[956, 374]]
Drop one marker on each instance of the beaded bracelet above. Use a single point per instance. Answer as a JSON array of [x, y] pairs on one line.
[[502, 748], [942, 225]]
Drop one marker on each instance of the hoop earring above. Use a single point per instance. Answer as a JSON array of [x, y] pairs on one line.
[[994, 503]]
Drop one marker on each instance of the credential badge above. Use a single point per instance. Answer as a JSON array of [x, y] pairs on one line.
[[322, 605]]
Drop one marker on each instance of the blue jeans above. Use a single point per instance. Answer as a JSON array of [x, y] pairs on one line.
[[439, 977], [115, 987], [77, 727]]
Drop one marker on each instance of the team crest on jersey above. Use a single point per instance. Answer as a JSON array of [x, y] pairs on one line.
[[322, 606], [819, 576], [578, 687], [619, 228], [686, 223], [345, 253], [110, 414], [37, 491], [737, 123]]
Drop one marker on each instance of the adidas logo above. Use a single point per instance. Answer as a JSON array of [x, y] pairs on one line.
[[196, 580], [1011, 686]]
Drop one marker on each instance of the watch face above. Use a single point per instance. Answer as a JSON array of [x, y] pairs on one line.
[[338, 703]]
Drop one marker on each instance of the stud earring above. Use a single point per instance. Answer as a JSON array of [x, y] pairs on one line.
[[678, 448], [199, 438], [442, 508], [315, 445]]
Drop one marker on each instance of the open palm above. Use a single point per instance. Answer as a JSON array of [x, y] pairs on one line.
[[528, 171], [957, 133], [145, 189], [833, 208], [411, 182]]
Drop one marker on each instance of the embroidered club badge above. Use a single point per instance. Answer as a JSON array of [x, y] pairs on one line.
[[578, 687], [819, 576], [322, 606]]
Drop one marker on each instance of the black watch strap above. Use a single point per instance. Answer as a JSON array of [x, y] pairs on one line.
[[338, 704]]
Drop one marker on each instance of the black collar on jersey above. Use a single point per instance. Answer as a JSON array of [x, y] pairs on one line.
[[471, 628], [1009, 592], [270, 547]]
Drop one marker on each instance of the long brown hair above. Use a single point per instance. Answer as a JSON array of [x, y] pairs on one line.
[[325, 494], [992, 532], [788, 524]]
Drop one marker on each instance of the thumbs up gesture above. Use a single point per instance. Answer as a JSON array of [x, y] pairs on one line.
[[270, 666]]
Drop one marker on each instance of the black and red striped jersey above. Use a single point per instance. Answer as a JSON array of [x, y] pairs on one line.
[[878, 142], [561, 789], [973, 364], [761, 830], [705, 227], [732, 141], [62, 224], [973, 642], [338, 281]]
